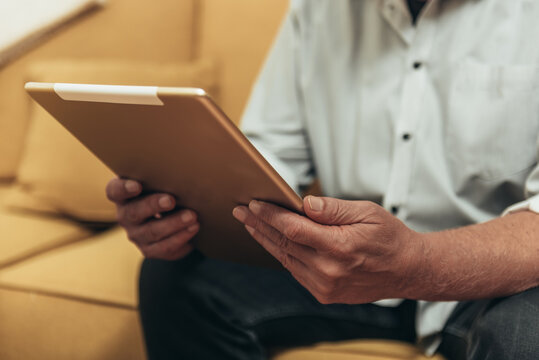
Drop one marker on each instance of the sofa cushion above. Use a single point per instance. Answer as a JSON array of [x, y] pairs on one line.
[[134, 30], [36, 326], [357, 350], [58, 174], [25, 235], [5, 187], [101, 269]]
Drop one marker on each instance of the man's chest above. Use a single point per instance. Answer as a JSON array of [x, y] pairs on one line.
[[458, 93]]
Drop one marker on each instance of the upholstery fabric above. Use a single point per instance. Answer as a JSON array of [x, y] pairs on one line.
[[25, 235], [41, 327], [103, 269], [135, 30], [357, 350], [5, 187], [58, 174], [250, 27], [24, 22]]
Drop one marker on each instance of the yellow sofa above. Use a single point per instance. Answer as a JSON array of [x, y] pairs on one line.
[[67, 272]]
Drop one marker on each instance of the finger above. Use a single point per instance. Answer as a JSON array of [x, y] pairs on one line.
[[309, 282], [299, 270], [331, 211], [156, 230], [140, 210], [289, 262], [295, 227], [303, 252], [119, 190], [173, 247]]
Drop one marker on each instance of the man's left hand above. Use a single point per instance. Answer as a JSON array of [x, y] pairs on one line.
[[341, 251]]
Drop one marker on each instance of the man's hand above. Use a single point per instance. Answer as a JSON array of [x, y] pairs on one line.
[[343, 251], [152, 222]]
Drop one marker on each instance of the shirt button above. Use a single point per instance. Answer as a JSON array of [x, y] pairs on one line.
[[417, 65], [406, 136], [394, 210]]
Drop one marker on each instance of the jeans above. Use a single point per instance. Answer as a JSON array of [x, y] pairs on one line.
[[199, 308]]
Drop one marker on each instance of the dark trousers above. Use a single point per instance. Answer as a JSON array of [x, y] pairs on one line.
[[198, 308]]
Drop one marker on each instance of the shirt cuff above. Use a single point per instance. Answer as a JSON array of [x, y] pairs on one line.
[[531, 204]]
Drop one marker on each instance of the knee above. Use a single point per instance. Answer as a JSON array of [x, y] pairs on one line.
[[508, 330]]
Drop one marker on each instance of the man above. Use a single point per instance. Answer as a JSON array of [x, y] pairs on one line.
[[431, 119]]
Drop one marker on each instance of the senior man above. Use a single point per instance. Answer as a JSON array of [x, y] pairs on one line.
[[424, 116]]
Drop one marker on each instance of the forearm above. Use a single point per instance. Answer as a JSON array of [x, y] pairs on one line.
[[494, 259]]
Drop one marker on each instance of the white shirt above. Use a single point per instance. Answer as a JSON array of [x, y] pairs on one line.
[[439, 123]]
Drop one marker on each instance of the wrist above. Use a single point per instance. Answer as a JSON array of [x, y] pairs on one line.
[[419, 276]]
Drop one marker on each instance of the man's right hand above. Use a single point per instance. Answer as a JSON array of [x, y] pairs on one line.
[[152, 222]]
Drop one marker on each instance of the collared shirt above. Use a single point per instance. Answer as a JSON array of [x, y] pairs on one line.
[[436, 122]]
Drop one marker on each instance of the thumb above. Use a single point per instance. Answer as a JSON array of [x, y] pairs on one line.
[[331, 211]]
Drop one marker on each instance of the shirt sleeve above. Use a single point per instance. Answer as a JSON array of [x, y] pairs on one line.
[[531, 191], [274, 119]]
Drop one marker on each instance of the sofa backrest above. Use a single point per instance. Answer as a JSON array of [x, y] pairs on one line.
[[158, 30], [236, 34]]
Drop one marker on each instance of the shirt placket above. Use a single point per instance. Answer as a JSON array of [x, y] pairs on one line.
[[415, 78]]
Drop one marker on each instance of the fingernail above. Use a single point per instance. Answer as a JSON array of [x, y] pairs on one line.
[[315, 203], [239, 213], [131, 186], [165, 202], [186, 216], [193, 228], [255, 206], [250, 229]]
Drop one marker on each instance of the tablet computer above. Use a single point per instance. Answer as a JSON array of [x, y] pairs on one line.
[[178, 141]]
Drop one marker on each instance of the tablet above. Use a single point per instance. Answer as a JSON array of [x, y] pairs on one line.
[[177, 141]]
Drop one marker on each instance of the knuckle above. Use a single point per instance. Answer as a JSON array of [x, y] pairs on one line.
[[373, 212], [255, 223], [283, 243], [337, 212], [130, 213], [151, 233], [340, 245], [331, 272], [285, 260], [292, 231]]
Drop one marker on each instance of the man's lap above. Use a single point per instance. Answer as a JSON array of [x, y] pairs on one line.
[[196, 303], [268, 304]]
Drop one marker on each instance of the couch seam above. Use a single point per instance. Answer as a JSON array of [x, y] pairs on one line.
[[56, 294], [60, 243]]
